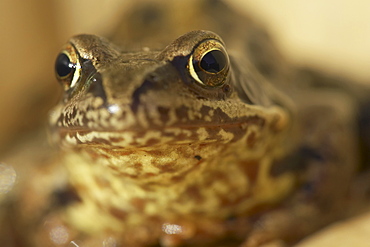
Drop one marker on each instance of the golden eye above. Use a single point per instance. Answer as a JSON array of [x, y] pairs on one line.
[[209, 63], [68, 67]]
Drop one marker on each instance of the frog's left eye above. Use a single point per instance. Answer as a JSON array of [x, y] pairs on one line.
[[209, 63], [68, 67]]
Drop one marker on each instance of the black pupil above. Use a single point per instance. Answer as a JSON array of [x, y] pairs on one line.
[[213, 62], [63, 66]]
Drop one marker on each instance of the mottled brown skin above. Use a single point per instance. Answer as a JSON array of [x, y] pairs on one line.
[[154, 151]]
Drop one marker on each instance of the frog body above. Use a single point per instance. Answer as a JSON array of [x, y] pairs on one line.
[[203, 142]]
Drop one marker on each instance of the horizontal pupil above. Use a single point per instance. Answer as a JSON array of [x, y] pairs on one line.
[[63, 66], [213, 62]]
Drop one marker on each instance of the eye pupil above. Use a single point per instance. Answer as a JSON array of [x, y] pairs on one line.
[[63, 65], [213, 62]]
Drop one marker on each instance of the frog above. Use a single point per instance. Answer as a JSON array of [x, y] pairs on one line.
[[206, 138]]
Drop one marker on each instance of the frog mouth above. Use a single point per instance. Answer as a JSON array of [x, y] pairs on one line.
[[178, 133], [119, 126]]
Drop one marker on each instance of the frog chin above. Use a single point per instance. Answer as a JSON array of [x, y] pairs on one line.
[[182, 177], [226, 165]]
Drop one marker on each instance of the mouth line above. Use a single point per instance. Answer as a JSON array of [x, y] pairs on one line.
[[255, 121]]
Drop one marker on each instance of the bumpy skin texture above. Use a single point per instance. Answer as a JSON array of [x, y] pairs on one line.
[[156, 151]]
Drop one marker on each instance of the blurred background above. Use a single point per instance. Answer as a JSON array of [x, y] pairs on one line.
[[333, 35]]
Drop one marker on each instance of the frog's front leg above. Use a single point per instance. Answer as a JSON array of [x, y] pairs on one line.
[[324, 163]]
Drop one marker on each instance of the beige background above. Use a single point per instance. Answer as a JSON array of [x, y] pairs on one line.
[[329, 34]]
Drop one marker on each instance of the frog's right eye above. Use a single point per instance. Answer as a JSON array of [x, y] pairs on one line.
[[68, 67], [209, 63]]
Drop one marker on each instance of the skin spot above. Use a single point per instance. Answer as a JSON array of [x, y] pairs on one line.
[[166, 167], [226, 88], [219, 115], [182, 112], [149, 175], [73, 114], [123, 116], [198, 157], [251, 140], [66, 196], [216, 176], [102, 183], [152, 141], [251, 169], [194, 193], [138, 203], [118, 213], [164, 114], [138, 167], [116, 139]]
